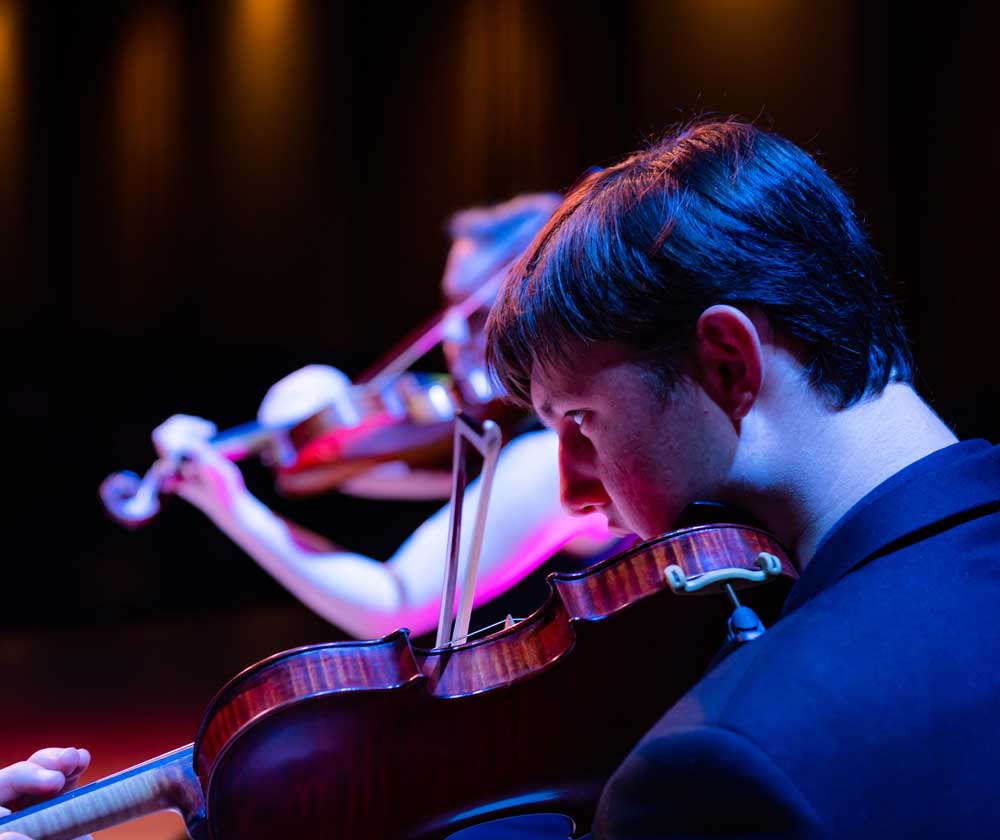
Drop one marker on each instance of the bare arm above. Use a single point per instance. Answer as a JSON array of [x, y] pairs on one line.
[[368, 598]]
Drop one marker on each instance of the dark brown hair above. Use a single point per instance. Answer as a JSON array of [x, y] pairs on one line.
[[714, 212]]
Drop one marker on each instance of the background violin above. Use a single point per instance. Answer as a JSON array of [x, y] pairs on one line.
[[325, 432], [382, 740]]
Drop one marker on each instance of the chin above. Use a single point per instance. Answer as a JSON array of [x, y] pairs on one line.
[[622, 532]]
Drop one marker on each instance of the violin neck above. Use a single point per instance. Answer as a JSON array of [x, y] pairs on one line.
[[243, 441], [166, 782]]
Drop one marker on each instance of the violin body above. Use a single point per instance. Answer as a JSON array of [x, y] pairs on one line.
[[409, 418], [411, 422], [378, 739], [390, 414]]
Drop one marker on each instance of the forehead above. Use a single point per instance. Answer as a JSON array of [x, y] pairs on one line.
[[588, 368]]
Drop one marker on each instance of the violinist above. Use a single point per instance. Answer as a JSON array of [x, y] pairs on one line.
[[363, 596], [706, 320]]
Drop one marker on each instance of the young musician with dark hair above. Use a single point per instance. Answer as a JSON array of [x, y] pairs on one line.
[[707, 320]]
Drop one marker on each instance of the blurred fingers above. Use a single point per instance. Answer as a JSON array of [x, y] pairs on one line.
[[28, 779], [69, 761]]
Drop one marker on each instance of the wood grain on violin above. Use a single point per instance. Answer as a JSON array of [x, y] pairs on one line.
[[381, 740]]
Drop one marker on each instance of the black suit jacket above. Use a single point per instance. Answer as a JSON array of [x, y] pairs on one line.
[[872, 707]]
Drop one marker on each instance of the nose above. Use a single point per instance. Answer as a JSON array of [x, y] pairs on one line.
[[580, 489]]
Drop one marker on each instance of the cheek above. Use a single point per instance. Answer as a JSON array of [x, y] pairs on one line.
[[644, 488], [656, 469]]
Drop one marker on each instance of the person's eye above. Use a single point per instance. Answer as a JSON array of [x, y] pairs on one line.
[[577, 415]]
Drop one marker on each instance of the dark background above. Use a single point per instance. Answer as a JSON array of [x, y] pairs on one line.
[[198, 198]]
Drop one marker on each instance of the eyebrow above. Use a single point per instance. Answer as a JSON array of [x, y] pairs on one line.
[[554, 393], [545, 414]]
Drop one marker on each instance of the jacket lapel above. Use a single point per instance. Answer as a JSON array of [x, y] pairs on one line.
[[958, 482]]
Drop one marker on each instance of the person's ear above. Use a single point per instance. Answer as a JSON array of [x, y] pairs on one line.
[[729, 359]]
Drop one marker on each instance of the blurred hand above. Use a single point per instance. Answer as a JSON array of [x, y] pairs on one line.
[[175, 436], [48, 772], [301, 394], [204, 478]]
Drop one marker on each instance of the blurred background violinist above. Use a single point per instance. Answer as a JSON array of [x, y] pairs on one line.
[[367, 598], [527, 527]]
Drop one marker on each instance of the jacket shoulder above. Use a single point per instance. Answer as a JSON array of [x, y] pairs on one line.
[[703, 781]]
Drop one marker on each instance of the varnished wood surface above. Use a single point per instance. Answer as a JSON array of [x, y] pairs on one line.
[[309, 672], [638, 573], [534, 718]]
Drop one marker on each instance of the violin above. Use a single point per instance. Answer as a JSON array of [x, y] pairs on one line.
[[390, 414], [379, 739]]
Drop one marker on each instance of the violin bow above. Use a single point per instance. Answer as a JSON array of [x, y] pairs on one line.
[[486, 438], [428, 335]]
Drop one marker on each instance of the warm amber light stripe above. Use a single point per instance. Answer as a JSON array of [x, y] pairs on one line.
[[265, 24], [147, 94], [262, 52], [503, 85], [266, 45], [10, 90]]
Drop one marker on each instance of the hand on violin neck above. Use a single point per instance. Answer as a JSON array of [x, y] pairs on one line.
[[208, 481], [176, 436], [47, 773], [204, 478]]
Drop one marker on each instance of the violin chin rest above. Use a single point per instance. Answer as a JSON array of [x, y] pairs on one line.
[[714, 582]]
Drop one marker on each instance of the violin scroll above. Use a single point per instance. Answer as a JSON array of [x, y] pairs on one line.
[[133, 501]]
